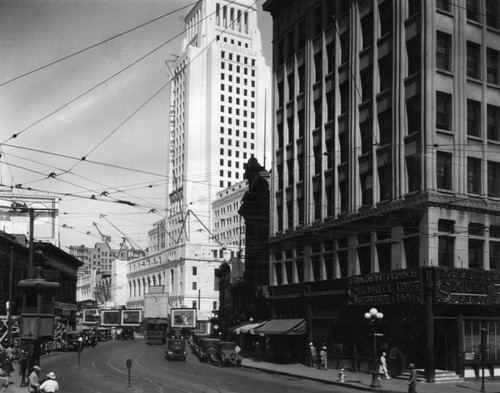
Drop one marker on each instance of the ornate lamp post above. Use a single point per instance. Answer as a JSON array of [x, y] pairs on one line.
[[372, 317]]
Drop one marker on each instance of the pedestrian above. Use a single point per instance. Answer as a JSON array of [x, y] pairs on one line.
[[323, 355], [257, 351], [313, 353], [23, 366], [4, 382], [50, 384], [342, 374], [412, 383], [382, 370], [7, 366], [34, 380]]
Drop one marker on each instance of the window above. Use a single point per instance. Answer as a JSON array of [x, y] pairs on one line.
[[413, 169], [475, 254], [318, 65], [443, 51], [493, 119], [195, 271], [413, 113], [473, 175], [443, 169], [492, 14], [473, 117], [302, 77], [414, 7], [291, 85], [385, 13], [366, 83], [443, 5], [344, 97], [445, 251], [344, 47], [492, 66], [330, 54], [385, 71], [413, 51], [317, 113], [494, 255], [366, 189], [195, 286], [385, 180], [493, 179], [473, 60], [443, 110], [367, 30], [385, 126], [472, 10], [194, 304], [366, 132]]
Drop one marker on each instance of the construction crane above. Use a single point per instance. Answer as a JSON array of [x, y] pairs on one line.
[[125, 237]]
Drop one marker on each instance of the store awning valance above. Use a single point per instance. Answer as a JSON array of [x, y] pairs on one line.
[[283, 326], [247, 327]]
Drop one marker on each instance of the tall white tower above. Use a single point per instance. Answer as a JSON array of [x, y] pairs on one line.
[[219, 103]]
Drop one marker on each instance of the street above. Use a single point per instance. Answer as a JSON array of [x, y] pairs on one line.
[[104, 369]]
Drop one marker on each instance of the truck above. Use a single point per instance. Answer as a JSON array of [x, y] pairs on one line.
[[156, 315]]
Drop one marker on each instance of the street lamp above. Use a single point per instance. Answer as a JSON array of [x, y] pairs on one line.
[[372, 316]]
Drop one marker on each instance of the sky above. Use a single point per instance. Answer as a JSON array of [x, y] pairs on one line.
[[84, 116]]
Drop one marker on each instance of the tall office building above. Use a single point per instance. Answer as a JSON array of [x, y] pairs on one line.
[[218, 105], [386, 176]]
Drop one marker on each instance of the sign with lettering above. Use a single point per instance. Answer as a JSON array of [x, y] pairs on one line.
[[399, 286]]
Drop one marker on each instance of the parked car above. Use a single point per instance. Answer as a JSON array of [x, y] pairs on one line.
[[103, 334], [226, 353], [125, 334], [206, 347], [176, 349], [195, 341]]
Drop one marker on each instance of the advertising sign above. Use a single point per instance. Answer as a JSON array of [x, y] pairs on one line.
[[131, 317], [183, 318], [110, 317], [90, 316]]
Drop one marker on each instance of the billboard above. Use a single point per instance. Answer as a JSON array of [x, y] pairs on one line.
[[131, 317], [110, 317], [90, 316], [183, 317]]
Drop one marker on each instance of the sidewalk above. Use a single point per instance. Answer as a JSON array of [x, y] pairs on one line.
[[362, 380]]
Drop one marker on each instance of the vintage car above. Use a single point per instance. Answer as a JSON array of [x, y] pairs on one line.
[[71, 341], [226, 353], [103, 334], [206, 347], [176, 349], [195, 341], [125, 334]]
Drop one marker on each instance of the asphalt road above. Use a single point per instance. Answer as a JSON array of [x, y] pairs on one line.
[[103, 369]]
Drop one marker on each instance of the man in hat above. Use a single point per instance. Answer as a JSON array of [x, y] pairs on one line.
[[50, 384], [412, 383], [323, 356], [34, 380], [313, 353]]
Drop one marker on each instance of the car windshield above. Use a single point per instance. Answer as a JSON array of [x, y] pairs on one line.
[[227, 346]]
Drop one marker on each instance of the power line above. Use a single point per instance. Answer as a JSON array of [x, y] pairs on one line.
[[94, 45]]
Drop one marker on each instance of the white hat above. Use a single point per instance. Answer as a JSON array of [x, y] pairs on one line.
[[324, 348], [311, 344], [51, 375]]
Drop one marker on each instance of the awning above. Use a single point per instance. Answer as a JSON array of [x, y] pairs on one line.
[[247, 327], [283, 326]]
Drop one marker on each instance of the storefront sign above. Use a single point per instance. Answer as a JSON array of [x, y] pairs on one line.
[[460, 286], [400, 286]]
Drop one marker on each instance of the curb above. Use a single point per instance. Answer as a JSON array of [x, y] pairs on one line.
[[322, 380]]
